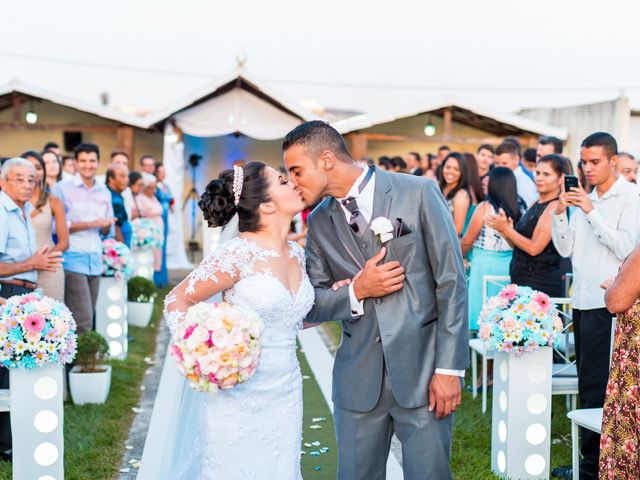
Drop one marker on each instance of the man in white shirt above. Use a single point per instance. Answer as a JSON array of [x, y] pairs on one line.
[[603, 229], [508, 155]]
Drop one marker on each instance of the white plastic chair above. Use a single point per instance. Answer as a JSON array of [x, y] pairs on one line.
[[590, 418], [564, 376]]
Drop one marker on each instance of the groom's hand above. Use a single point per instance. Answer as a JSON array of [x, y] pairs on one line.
[[375, 280], [444, 394]]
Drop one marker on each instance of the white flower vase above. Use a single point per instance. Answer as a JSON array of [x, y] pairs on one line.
[[37, 422], [111, 315], [142, 262], [521, 419], [139, 313]]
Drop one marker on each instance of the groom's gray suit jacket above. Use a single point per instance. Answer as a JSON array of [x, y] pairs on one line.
[[413, 331]]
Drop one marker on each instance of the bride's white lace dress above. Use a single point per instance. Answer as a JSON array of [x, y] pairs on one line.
[[252, 431]]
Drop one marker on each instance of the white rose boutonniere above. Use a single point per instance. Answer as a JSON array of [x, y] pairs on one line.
[[382, 228]]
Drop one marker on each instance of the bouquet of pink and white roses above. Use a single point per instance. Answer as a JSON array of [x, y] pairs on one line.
[[519, 319], [217, 345], [116, 258], [36, 330], [146, 233]]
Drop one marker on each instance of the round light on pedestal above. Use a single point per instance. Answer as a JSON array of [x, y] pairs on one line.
[[504, 370], [537, 372], [45, 421], [114, 330], [502, 431], [535, 434], [502, 461], [45, 388], [535, 464], [502, 401], [114, 312], [536, 403], [115, 348], [114, 293], [46, 454]]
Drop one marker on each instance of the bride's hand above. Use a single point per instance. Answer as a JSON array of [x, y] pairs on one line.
[[341, 283]]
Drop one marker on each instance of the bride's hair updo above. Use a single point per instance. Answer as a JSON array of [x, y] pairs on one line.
[[218, 201]]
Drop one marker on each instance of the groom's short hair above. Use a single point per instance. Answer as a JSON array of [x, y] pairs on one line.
[[317, 136]]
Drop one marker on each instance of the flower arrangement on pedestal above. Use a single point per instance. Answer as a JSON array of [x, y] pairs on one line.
[[36, 330], [146, 233], [116, 257], [519, 320]]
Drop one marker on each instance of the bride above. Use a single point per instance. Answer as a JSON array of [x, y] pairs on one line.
[[252, 431]]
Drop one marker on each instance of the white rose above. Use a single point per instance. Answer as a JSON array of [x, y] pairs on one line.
[[383, 228]]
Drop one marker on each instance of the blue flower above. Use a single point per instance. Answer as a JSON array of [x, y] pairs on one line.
[[15, 335], [28, 362]]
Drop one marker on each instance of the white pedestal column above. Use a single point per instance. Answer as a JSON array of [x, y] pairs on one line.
[[111, 315], [142, 262], [521, 423], [36, 422]]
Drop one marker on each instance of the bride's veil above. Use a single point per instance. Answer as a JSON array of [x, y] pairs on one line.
[[172, 442]]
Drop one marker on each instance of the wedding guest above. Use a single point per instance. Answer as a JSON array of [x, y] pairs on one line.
[[398, 165], [491, 253], [475, 184], [118, 183], [52, 147], [47, 211], [148, 206], [53, 168], [599, 234], [384, 163], [148, 164], [135, 185], [413, 164], [508, 155], [163, 194], [20, 261], [90, 215], [436, 162], [548, 145], [68, 167], [536, 263], [529, 160], [620, 437], [627, 166], [485, 156], [120, 157], [454, 186]]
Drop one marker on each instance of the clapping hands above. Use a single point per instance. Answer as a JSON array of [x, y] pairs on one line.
[[500, 222]]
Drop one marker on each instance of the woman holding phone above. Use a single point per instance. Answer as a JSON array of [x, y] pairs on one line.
[[535, 262]]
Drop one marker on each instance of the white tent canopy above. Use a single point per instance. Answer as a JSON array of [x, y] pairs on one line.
[[237, 110]]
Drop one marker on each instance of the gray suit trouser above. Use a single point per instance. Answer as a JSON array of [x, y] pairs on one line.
[[364, 440]]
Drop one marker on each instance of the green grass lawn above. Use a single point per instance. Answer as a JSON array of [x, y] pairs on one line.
[[95, 435], [471, 450], [323, 466]]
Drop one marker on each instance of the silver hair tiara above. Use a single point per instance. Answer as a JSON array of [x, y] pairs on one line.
[[238, 179]]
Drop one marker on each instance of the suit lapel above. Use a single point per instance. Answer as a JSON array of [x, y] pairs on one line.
[[381, 195], [343, 231]]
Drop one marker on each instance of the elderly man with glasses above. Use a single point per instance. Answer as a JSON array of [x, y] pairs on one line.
[[19, 260]]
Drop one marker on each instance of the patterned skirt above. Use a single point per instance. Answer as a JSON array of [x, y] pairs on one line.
[[620, 438]]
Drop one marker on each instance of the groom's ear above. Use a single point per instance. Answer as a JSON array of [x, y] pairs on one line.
[[327, 160]]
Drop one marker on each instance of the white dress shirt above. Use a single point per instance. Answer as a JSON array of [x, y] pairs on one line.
[[599, 242], [526, 187], [364, 200]]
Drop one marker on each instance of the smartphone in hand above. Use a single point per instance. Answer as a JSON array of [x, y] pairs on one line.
[[570, 181]]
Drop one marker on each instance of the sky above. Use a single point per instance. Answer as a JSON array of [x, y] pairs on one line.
[[358, 55]]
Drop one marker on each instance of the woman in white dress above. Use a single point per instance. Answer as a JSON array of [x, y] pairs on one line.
[[252, 431]]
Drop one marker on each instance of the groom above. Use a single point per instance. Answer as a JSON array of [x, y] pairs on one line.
[[404, 348]]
